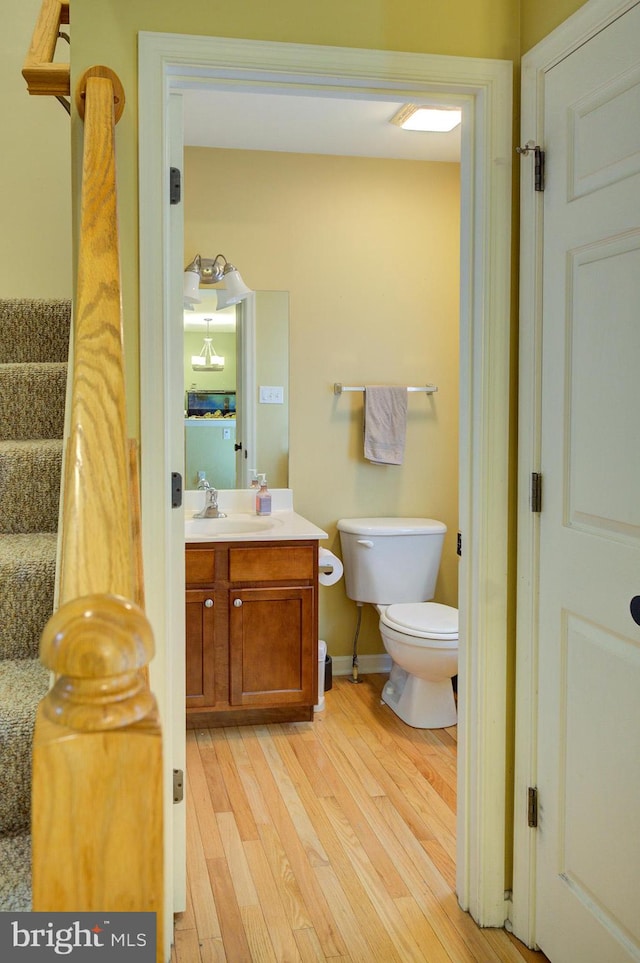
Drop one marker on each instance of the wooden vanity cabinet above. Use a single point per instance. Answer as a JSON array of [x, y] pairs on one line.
[[251, 656]]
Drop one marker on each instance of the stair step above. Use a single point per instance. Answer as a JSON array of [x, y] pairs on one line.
[[23, 683], [34, 330], [30, 485], [15, 873], [32, 397], [27, 578]]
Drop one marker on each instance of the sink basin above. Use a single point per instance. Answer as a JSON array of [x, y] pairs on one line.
[[205, 528]]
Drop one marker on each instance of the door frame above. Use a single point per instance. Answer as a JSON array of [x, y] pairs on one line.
[[483, 88], [589, 20]]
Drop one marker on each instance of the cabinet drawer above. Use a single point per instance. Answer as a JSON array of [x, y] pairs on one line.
[[200, 567], [272, 564]]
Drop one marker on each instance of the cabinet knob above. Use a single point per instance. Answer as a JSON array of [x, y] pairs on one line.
[[237, 603], [208, 603]]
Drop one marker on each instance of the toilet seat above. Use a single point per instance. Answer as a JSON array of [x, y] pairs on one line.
[[423, 620]]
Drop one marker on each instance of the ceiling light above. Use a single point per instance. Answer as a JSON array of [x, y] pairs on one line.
[[434, 119], [207, 360]]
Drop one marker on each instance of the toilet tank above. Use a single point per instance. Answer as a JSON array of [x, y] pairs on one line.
[[390, 560]]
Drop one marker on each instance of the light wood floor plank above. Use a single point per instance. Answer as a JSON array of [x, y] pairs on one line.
[[257, 932], [234, 788], [247, 776], [291, 798], [344, 852], [309, 947], [198, 787], [187, 946], [202, 901], [421, 930], [212, 951], [281, 934], [359, 816], [331, 840], [231, 923], [243, 887], [315, 903], [285, 880]]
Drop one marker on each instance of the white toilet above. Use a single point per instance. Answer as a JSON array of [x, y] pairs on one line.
[[393, 563]]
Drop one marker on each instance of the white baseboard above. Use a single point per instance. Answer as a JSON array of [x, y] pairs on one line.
[[342, 664]]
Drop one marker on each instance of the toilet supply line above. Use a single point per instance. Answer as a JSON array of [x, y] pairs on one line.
[[354, 665]]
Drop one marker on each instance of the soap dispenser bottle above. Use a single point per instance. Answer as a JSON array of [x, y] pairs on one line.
[[254, 480], [263, 498]]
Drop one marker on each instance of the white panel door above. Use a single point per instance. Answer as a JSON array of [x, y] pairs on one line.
[[588, 882]]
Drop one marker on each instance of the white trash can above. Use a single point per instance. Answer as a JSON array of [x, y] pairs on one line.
[[322, 658]]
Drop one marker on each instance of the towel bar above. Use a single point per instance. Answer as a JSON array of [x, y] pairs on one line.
[[339, 388]]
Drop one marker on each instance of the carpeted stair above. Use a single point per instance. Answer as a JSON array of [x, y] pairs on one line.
[[34, 338]]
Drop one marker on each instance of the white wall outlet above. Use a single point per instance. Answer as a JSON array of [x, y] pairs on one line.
[[271, 395]]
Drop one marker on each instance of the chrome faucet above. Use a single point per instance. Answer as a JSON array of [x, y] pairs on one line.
[[210, 509]]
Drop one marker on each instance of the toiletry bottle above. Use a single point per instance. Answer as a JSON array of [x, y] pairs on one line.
[[263, 498], [254, 480]]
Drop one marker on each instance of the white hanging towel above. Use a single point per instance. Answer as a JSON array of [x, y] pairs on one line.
[[385, 423]]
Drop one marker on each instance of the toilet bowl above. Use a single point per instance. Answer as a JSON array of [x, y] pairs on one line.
[[422, 640], [393, 563]]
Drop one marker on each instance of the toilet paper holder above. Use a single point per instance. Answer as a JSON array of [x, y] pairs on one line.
[[329, 567]]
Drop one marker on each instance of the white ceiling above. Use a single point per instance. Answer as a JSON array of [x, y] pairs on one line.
[[311, 124]]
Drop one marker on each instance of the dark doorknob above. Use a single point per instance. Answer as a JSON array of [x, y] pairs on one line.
[[635, 609]]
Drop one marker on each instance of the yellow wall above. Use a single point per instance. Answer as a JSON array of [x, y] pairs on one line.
[[540, 17], [369, 252], [35, 173], [106, 32], [36, 155]]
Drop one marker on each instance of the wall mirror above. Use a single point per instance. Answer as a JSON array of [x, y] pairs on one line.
[[236, 391]]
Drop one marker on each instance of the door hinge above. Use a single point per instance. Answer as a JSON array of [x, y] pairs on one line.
[[178, 785], [536, 491], [176, 489], [174, 185], [532, 807], [459, 545], [538, 170]]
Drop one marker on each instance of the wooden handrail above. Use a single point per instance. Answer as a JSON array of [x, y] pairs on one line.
[[97, 805], [43, 77]]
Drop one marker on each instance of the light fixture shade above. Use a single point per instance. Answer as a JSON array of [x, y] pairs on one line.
[[224, 299], [191, 285], [235, 287], [213, 363]]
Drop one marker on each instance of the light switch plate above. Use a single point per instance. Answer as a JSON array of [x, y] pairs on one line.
[[271, 395]]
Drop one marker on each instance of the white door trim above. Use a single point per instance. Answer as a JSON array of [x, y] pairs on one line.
[[584, 24], [168, 63]]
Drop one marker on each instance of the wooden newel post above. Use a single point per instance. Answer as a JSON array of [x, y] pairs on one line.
[[97, 761]]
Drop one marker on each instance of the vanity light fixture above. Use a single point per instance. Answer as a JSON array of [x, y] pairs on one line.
[[207, 360], [203, 270], [433, 119]]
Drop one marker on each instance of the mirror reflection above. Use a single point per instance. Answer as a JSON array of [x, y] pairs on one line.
[[236, 391]]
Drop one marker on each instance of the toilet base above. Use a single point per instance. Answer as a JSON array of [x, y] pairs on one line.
[[418, 702]]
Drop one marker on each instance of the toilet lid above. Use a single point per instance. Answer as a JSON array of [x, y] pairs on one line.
[[423, 619]]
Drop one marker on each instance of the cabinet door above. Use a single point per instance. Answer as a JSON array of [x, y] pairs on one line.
[[273, 652], [199, 647]]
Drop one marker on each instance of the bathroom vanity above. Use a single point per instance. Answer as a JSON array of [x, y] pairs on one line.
[[251, 617]]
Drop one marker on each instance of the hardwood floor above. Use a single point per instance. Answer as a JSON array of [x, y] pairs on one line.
[[327, 840]]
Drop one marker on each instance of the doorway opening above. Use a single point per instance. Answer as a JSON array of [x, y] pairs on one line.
[[169, 65]]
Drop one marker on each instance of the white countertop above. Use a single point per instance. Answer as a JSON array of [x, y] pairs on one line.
[[241, 522]]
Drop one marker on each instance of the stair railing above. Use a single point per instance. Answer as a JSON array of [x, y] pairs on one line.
[[97, 799], [43, 77]]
